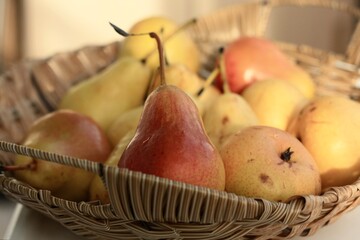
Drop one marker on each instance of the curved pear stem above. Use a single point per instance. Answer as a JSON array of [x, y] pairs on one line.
[[209, 80], [161, 57], [159, 47]]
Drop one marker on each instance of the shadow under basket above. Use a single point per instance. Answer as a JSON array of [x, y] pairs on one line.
[[148, 207]]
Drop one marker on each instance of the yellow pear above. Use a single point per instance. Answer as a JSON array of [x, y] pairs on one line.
[[97, 188], [329, 127], [179, 48], [181, 76], [127, 120], [228, 114], [206, 98], [270, 163], [103, 97], [190, 82], [275, 102]]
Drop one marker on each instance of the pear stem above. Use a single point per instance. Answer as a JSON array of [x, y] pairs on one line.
[[209, 80], [159, 47], [161, 57], [286, 155], [226, 88]]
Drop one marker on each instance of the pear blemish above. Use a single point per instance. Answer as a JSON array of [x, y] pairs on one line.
[[286, 156]]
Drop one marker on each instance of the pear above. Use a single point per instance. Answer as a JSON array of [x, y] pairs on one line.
[[126, 121], [275, 102], [106, 95], [69, 133], [329, 127], [266, 162], [179, 46], [228, 114], [97, 189], [171, 142], [205, 99], [249, 59]]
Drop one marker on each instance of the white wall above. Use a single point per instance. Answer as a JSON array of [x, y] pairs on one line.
[[54, 26]]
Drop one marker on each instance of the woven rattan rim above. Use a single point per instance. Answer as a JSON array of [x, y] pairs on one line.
[[144, 206]]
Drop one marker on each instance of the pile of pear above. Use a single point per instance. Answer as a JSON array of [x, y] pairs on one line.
[[253, 127]]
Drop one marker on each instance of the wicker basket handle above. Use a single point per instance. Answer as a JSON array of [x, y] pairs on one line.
[[91, 166], [352, 52]]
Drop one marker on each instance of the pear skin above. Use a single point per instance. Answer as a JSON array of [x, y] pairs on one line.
[[266, 162], [227, 115], [329, 127], [106, 95], [250, 59], [275, 102], [190, 82], [69, 133], [126, 121], [182, 77], [171, 142]]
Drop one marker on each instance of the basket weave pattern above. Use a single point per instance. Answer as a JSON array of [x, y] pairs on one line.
[[149, 207]]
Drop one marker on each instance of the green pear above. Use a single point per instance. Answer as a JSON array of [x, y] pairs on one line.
[[97, 190], [103, 97], [329, 127], [228, 114], [69, 133]]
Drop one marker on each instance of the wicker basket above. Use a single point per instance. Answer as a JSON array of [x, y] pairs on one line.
[[148, 207]]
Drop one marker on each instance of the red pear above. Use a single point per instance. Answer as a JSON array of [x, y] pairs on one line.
[[170, 142], [250, 59]]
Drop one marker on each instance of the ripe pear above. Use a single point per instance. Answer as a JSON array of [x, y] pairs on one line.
[[250, 59], [275, 102], [228, 114], [269, 163], [69, 133], [171, 142], [97, 188], [179, 48], [106, 95], [329, 127], [126, 121]]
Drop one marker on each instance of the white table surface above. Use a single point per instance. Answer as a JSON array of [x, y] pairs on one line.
[[27, 224]]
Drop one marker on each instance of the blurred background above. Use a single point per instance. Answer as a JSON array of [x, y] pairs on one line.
[[39, 29]]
